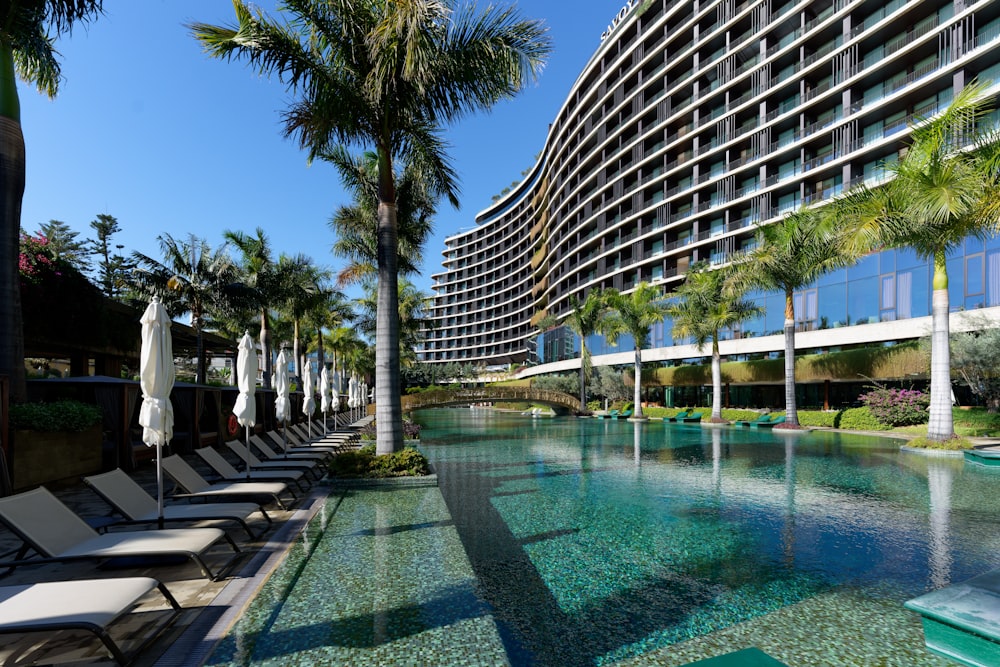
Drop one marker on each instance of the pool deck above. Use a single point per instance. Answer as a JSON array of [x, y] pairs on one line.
[[208, 605]]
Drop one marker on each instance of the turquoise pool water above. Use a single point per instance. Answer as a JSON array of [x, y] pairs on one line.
[[596, 542]]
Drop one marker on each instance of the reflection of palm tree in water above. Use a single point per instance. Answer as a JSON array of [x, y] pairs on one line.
[[939, 481]]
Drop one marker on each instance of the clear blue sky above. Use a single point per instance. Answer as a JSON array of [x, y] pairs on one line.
[[149, 129]]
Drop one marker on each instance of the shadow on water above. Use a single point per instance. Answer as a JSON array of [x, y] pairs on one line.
[[535, 629]]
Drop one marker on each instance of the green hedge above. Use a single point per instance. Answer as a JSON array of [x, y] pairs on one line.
[[859, 419], [56, 416]]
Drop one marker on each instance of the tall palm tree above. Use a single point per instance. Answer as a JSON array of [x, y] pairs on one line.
[[703, 308], [27, 51], [356, 224], [634, 313], [331, 309], [343, 343], [304, 291], [584, 320], [192, 278], [386, 76], [790, 254], [259, 273], [944, 189]]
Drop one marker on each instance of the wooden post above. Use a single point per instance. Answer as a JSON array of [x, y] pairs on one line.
[[826, 394]]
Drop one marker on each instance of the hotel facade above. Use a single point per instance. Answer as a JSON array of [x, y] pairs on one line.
[[693, 124]]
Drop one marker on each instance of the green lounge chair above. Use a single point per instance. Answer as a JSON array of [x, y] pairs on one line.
[[774, 422], [678, 417], [692, 418], [746, 423], [625, 414]]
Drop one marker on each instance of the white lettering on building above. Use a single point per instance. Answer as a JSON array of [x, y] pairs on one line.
[[622, 13]]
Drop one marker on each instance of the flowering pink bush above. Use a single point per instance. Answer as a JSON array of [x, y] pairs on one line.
[[36, 259], [897, 407]]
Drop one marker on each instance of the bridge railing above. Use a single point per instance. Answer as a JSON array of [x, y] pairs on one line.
[[488, 394]]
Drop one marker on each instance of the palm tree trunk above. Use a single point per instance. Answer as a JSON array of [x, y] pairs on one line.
[[12, 191], [583, 374], [388, 406], [791, 412], [265, 345], [637, 402], [716, 381], [295, 349], [941, 423]]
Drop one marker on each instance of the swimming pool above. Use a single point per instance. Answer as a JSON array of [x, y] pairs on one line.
[[595, 542]]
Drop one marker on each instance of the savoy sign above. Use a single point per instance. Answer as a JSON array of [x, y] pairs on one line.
[[622, 13]]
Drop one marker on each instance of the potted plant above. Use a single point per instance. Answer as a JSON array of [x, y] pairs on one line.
[[54, 441]]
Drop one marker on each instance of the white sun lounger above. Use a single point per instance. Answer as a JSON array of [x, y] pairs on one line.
[[131, 500], [53, 530], [245, 454], [226, 471], [297, 436], [319, 454], [92, 605], [195, 486]]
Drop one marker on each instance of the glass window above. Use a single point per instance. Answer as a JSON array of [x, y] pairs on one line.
[[887, 261], [956, 283], [906, 258], [832, 278], [832, 305], [993, 278], [975, 283], [887, 298], [865, 267], [774, 317], [972, 244], [862, 300], [920, 292]]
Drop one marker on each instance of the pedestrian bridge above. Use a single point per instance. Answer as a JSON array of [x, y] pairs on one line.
[[560, 402]]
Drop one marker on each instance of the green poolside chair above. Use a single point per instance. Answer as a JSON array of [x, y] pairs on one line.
[[678, 417], [769, 424], [746, 423], [692, 418]]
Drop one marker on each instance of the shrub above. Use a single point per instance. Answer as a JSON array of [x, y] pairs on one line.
[[897, 407], [817, 418], [952, 443], [364, 463], [56, 416], [859, 419]]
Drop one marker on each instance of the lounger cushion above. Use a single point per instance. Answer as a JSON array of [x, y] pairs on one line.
[[97, 602]]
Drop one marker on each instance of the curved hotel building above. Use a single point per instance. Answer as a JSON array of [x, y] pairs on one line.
[[693, 124]]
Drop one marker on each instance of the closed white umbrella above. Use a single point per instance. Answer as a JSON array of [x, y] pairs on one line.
[[324, 395], [335, 399], [282, 405], [156, 379], [246, 379], [309, 404]]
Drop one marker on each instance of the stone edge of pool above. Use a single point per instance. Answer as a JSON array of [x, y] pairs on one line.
[[198, 642]]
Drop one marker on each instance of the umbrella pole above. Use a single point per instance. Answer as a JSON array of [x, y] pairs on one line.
[[159, 485], [284, 439], [247, 457], [326, 427]]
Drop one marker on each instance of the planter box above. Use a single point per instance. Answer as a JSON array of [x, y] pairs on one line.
[[42, 457]]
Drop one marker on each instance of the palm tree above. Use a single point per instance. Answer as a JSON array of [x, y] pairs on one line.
[[789, 255], [412, 306], [703, 308], [386, 76], [259, 273], [355, 224], [331, 309], [945, 189], [304, 291], [27, 51], [634, 313], [584, 320], [192, 278]]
